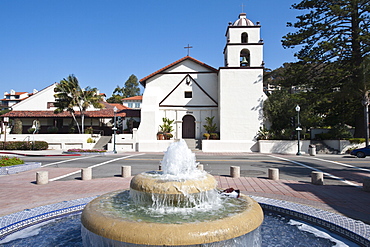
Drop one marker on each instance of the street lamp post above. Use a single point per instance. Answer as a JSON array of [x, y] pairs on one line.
[[365, 103], [114, 130], [6, 120], [298, 129]]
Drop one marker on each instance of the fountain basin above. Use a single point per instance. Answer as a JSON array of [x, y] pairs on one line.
[[148, 182], [101, 222]]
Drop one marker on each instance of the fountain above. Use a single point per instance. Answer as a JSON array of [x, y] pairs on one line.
[[177, 206]]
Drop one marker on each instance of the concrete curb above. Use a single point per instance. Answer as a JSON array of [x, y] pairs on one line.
[[7, 170]]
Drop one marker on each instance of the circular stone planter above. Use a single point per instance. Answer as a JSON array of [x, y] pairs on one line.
[[97, 220]]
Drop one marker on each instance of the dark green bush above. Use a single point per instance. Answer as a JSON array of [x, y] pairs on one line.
[[20, 145], [324, 136], [52, 130], [89, 130], [356, 140]]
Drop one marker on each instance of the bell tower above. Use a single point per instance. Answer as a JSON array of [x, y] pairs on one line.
[[244, 46], [241, 93]]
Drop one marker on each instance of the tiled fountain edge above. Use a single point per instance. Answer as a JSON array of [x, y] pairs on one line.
[[354, 230]]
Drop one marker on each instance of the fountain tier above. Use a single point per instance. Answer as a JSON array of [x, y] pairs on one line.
[[178, 206], [108, 227]]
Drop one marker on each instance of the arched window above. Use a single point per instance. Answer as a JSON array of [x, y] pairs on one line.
[[245, 58], [244, 38]]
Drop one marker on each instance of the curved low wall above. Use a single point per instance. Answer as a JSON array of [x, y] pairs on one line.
[[351, 229]]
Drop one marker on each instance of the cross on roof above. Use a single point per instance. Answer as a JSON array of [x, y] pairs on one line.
[[243, 5], [188, 47]]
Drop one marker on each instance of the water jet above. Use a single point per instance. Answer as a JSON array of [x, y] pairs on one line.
[[178, 206]]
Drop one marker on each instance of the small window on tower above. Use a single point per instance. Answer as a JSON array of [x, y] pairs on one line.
[[188, 94]]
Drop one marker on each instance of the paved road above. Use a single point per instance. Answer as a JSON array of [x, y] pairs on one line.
[[338, 169]]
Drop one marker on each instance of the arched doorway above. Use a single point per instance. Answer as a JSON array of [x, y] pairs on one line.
[[188, 127]]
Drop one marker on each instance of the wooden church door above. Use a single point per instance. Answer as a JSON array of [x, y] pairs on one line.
[[188, 127]]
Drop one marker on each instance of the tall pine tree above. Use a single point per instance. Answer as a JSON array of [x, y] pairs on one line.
[[336, 31], [131, 87]]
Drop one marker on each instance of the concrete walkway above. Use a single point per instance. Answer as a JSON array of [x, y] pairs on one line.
[[20, 191]]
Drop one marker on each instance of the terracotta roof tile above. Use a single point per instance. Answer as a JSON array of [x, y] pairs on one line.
[[140, 97], [16, 93], [103, 113], [119, 106], [12, 99], [142, 81]]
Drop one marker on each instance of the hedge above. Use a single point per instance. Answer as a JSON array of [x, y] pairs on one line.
[[24, 145]]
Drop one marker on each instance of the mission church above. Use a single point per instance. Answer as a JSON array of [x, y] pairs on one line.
[[188, 91]]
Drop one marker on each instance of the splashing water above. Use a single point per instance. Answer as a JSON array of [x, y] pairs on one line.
[[179, 162]]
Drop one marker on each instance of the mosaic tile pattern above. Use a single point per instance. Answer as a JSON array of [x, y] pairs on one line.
[[17, 221], [354, 230], [7, 170]]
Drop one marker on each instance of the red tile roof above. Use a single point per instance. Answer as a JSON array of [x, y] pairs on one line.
[[107, 112], [103, 113], [142, 81], [16, 93], [119, 106], [140, 97], [13, 99]]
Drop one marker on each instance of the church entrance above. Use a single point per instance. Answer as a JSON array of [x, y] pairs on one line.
[[188, 127]]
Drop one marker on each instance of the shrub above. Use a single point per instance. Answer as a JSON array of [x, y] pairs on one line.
[[210, 127], [52, 130], [168, 136], [31, 130], [78, 150], [90, 140], [324, 136], [89, 130], [6, 161], [24, 145], [214, 136], [40, 145], [356, 140]]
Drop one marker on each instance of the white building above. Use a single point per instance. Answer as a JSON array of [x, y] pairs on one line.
[[133, 102], [187, 91], [13, 98]]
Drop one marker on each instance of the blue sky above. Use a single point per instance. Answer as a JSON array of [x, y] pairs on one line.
[[103, 42]]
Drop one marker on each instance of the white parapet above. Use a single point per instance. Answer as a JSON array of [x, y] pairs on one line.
[[229, 146]]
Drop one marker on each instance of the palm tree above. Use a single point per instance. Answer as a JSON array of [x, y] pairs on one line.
[[89, 97], [69, 95]]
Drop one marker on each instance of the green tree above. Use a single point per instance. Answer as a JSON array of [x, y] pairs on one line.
[[332, 32], [131, 87], [69, 95], [117, 96], [66, 97]]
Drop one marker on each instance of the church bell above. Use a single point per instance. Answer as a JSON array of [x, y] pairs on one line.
[[244, 62]]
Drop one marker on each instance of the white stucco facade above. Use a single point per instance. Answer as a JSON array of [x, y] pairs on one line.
[[187, 91], [39, 101]]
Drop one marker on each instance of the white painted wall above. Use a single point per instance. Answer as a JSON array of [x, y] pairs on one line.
[[56, 141], [283, 146], [169, 88], [241, 100], [38, 101], [234, 34], [233, 53]]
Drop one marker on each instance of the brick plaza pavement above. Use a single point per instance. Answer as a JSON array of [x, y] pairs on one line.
[[19, 192]]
